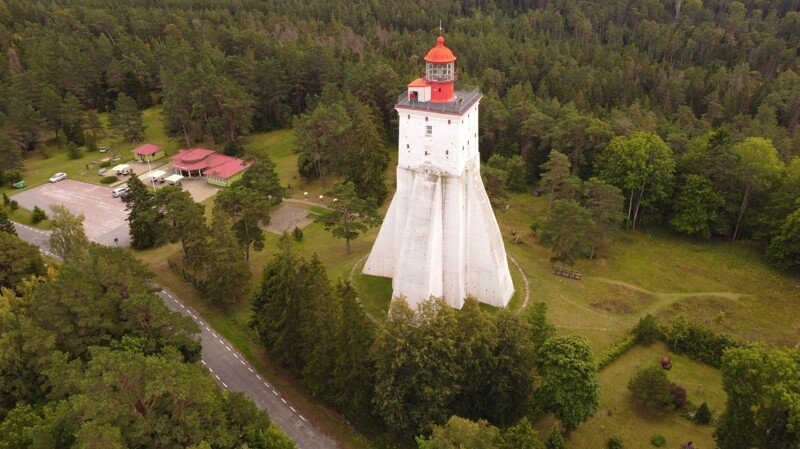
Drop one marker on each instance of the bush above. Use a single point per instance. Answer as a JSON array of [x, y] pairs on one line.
[[297, 233], [105, 164], [73, 152], [6, 200], [679, 397], [109, 179], [12, 176], [613, 352], [554, 439], [14, 205], [658, 440], [38, 215], [615, 443], [703, 415], [651, 387], [647, 330]]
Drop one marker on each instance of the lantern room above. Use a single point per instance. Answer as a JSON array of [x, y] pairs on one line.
[[437, 83]]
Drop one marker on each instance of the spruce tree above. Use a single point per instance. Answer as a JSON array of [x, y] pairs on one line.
[[276, 308], [142, 214], [353, 375], [6, 225]]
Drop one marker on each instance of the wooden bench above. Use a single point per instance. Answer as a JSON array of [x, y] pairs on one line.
[[566, 273]]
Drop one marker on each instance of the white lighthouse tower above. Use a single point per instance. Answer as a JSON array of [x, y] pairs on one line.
[[440, 236]]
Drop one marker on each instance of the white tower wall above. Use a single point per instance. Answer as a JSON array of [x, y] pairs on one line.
[[440, 236]]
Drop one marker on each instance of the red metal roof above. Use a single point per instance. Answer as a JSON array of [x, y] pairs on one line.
[[440, 54], [228, 169], [419, 82], [148, 149], [211, 162]]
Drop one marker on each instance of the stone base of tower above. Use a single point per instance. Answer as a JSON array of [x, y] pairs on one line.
[[440, 238]]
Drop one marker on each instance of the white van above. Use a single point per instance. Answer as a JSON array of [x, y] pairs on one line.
[[119, 191]]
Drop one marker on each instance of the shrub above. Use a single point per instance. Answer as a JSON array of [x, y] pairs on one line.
[[615, 443], [646, 330], [38, 215], [13, 176], [554, 439], [651, 387], [613, 352], [14, 205], [703, 415], [73, 152], [105, 164], [109, 179], [297, 233], [6, 199], [679, 397], [658, 440]]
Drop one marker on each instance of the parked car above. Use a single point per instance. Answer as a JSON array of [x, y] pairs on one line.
[[58, 177], [102, 171], [119, 191], [124, 195]]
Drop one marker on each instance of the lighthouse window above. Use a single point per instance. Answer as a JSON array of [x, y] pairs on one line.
[[429, 130]]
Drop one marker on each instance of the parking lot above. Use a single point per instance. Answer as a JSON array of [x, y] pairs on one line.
[[105, 215]]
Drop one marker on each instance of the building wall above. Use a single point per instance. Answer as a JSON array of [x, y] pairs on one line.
[[438, 141]]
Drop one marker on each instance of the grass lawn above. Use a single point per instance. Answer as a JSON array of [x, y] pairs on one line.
[[620, 415]]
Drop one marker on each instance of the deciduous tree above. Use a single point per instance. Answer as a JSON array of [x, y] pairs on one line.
[[351, 214], [570, 383], [642, 166], [757, 168]]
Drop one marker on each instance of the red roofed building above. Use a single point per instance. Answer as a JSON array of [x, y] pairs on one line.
[[149, 152], [218, 169]]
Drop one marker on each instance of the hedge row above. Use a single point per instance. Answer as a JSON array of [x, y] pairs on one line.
[[696, 341], [613, 352]]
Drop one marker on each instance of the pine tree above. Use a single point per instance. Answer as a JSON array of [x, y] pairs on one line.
[[126, 118]]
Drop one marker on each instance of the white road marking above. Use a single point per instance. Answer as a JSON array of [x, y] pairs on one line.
[[266, 384], [274, 392], [242, 361], [293, 409], [259, 377], [208, 329], [203, 362], [224, 385], [234, 354], [184, 307], [301, 417], [283, 400], [221, 341], [214, 334], [251, 369], [217, 377]]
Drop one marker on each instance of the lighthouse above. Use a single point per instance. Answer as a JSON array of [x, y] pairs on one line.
[[440, 236]]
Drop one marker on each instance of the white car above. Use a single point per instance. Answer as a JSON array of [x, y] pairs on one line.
[[58, 177]]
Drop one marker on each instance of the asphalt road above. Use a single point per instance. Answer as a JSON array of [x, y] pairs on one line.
[[229, 368]]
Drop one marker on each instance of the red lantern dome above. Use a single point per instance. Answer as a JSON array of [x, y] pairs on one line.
[[440, 54]]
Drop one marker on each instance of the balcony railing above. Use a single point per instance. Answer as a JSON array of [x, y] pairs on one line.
[[465, 96]]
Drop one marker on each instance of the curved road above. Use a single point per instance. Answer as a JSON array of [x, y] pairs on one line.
[[228, 367]]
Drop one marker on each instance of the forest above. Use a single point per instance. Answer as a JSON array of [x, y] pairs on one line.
[[676, 115], [556, 75]]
